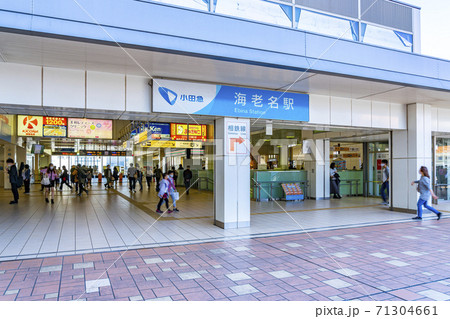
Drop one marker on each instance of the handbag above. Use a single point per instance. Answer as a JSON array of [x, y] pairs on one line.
[[45, 181], [176, 195]]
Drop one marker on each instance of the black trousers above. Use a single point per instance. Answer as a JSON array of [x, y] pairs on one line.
[[27, 186], [187, 184], [157, 183], [15, 192], [81, 188], [161, 201], [149, 180], [66, 182], [132, 182]]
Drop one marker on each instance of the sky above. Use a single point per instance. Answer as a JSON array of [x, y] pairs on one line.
[[435, 21]]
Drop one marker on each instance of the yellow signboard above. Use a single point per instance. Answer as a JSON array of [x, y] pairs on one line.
[[174, 144], [141, 137], [29, 125]]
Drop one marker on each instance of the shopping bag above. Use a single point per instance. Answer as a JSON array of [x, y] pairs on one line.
[[176, 196]]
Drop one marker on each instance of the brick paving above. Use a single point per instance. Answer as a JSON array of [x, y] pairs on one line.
[[406, 261]]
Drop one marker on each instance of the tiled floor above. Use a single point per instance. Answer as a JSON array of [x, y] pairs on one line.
[[115, 219], [399, 261]]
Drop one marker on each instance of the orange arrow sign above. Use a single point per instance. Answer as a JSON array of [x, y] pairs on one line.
[[233, 141]]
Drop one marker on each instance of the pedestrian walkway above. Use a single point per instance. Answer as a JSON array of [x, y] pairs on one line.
[[400, 261], [112, 220]]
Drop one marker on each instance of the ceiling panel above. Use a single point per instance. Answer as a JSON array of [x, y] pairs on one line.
[[17, 48]]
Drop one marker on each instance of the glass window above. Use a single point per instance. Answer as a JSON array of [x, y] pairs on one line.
[[263, 11], [442, 166], [194, 4], [384, 37], [325, 24]]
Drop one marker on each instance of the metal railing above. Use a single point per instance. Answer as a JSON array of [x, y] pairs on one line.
[[257, 186], [350, 183]]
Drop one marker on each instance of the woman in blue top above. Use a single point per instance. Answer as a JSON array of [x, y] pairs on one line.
[[424, 188], [163, 193]]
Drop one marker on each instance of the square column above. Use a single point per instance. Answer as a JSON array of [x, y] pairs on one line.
[[410, 150], [318, 167], [232, 173]]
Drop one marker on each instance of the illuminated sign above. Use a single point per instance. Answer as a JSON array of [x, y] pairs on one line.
[[158, 131], [90, 128], [174, 144], [55, 126], [65, 153], [104, 153], [179, 132], [141, 137], [29, 125], [197, 132]]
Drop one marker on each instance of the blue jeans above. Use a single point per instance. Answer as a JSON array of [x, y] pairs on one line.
[[423, 203], [384, 191]]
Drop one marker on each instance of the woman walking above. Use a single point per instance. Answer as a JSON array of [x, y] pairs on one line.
[[334, 181], [424, 188], [172, 190], [163, 193], [64, 179], [49, 184]]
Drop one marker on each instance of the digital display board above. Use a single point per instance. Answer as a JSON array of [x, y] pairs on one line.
[[179, 132], [89, 128], [29, 125], [55, 126], [104, 153], [197, 132]]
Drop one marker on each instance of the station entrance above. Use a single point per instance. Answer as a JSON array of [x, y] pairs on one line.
[[116, 218]]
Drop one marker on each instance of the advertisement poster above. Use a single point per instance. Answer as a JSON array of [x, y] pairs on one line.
[[197, 132], [179, 132], [55, 126], [89, 128], [158, 131], [6, 122], [29, 125]]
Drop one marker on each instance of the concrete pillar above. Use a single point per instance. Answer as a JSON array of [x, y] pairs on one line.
[[232, 173], [410, 150], [318, 165]]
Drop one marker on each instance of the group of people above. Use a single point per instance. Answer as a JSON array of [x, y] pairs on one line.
[[165, 183], [423, 188]]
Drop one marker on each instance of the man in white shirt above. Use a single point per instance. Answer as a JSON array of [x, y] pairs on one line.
[[132, 177]]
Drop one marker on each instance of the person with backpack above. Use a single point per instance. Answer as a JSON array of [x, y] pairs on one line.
[[81, 176], [158, 175], [13, 179], [115, 175], [27, 178], [49, 181], [187, 176], [163, 194], [64, 179], [108, 176]]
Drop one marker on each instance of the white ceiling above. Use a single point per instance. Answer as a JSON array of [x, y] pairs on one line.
[[26, 49]]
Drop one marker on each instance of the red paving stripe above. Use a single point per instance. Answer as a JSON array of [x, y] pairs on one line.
[[131, 278]]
